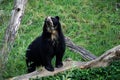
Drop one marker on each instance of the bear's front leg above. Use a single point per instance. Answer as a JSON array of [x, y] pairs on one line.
[[59, 63], [30, 66], [48, 64]]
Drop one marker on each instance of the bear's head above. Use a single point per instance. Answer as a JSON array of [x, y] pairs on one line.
[[52, 24]]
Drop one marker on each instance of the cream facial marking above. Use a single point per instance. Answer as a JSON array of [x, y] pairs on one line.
[[50, 21]]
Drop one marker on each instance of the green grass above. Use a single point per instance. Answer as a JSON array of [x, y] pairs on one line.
[[92, 24]]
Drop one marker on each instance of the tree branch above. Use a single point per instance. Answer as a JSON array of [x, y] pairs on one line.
[[102, 61], [105, 59], [86, 55]]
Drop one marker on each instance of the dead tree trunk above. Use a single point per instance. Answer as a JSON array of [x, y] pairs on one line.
[[11, 31]]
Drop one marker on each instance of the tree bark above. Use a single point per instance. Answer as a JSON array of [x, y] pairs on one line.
[[102, 61], [11, 31]]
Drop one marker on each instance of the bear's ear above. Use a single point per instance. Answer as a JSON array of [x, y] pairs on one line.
[[57, 17]]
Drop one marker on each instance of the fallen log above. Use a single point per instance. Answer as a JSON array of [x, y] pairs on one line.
[[44, 72], [102, 61]]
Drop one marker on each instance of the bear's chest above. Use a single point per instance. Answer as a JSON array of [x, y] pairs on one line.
[[54, 35], [54, 38]]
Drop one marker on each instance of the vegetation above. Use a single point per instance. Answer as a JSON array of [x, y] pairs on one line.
[[93, 24]]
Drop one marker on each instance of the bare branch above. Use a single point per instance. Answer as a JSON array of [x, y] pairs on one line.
[[86, 55], [105, 59]]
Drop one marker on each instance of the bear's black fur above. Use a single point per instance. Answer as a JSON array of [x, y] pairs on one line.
[[51, 43]]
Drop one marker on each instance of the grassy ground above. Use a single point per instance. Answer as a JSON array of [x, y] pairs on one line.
[[93, 24]]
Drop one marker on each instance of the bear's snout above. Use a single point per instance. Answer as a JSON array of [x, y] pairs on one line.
[[49, 21]]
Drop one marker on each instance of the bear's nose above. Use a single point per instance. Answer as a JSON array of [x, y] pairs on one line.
[[48, 19]]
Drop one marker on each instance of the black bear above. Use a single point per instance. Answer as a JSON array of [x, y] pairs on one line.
[[51, 43]]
